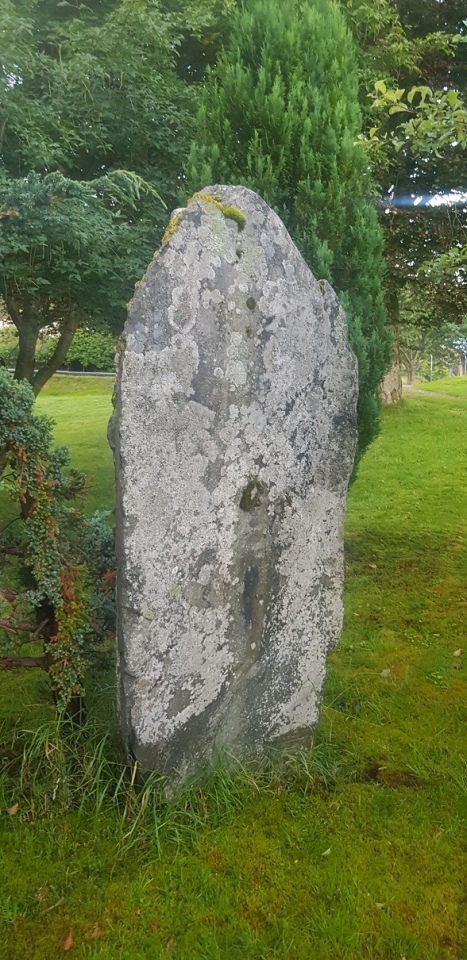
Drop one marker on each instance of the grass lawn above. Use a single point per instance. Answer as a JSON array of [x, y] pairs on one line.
[[356, 851], [456, 386], [81, 407]]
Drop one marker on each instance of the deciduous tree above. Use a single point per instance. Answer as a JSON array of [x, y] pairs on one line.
[[70, 251], [413, 73], [95, 123]]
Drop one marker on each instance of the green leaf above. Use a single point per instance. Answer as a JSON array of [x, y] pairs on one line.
[[399, 108]]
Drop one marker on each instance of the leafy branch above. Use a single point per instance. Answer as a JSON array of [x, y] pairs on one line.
[[434, 120]]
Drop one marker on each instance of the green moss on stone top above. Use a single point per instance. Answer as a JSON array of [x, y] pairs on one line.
[[172, 227], [231, 213]]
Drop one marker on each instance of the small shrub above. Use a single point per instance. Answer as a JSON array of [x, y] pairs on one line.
[[88, 351], [8, 345], [92, 351], [64, 600], [437, 372]]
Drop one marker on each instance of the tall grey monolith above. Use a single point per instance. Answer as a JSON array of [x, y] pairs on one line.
[[234, 435]]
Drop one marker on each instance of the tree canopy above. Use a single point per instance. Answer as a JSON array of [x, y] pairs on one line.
[[413, 89], [98, 106], [69, 250], [280, 115], [95, 123]]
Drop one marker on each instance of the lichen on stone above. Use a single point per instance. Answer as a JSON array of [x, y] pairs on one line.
[[233, 447], [121, 345]]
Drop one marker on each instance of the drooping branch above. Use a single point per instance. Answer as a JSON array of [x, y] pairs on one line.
[[11, 551], [62, 555], [11, 627]]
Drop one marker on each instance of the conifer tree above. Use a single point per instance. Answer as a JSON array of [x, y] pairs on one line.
[[280, 115]]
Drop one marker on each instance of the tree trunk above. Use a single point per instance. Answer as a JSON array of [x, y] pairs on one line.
[[28, 332], [18, 663], [24, 369], [410, 368], [59, 354], [390, 389]]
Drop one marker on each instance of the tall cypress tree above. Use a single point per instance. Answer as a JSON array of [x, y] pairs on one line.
[[280, 115]]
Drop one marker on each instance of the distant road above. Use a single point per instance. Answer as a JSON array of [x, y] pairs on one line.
[[422, 393], [82, 373], [76, 373]]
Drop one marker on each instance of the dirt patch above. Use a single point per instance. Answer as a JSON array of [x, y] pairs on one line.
[[376, 773]]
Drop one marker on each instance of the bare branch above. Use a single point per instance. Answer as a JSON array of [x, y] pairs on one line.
[[16, 663], [8, 595], [11, 627]]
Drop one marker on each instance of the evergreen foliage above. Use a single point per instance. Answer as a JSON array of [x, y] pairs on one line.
[[65, 560], [280, 115]]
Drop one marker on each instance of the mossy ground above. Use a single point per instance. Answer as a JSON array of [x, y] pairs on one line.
[[358, 852]]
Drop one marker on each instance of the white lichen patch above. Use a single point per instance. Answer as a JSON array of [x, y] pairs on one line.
[[234, 438]]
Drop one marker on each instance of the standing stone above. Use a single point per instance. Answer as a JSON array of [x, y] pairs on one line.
[[234, 435]]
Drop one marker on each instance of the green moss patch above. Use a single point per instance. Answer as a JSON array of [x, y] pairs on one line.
[[172, 227], [252, 495]]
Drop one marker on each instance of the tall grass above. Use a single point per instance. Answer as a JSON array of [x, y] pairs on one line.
[[58, 768]]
